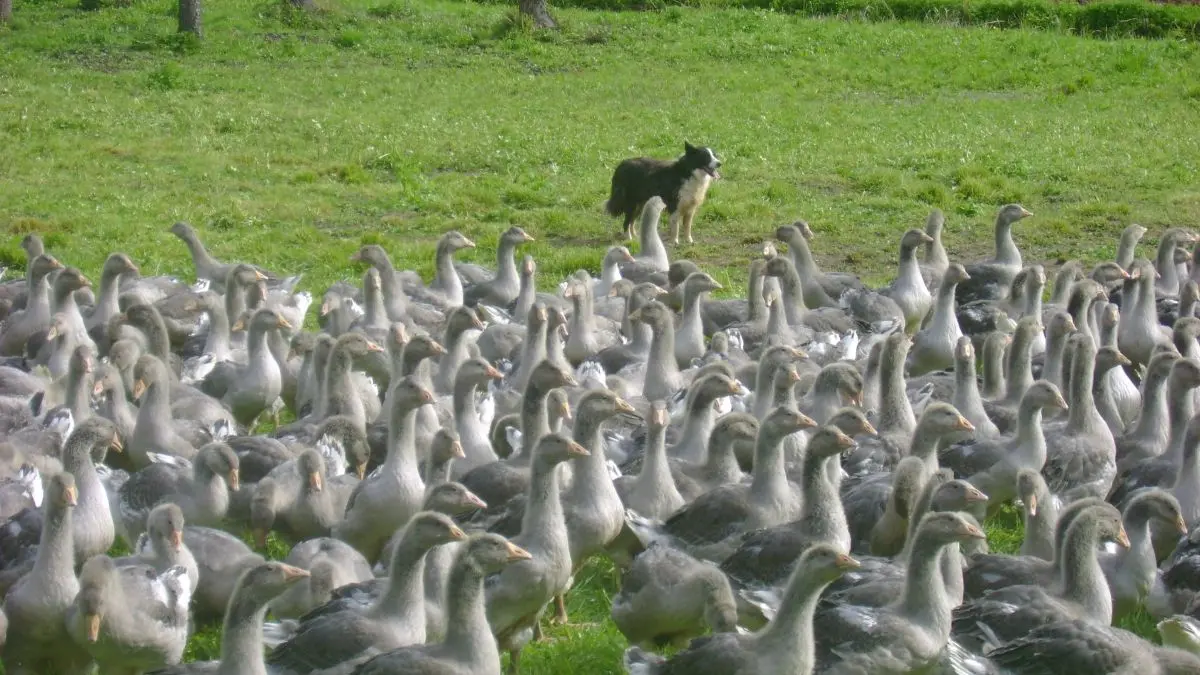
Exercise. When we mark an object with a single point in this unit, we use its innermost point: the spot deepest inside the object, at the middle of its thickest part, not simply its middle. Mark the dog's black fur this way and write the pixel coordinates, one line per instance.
(638, 179)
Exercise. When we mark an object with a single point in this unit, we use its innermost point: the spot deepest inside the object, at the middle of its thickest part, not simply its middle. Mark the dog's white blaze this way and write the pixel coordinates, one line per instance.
(712, 159)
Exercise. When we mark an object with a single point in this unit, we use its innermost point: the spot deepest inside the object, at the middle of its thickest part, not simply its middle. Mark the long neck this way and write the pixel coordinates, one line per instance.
(789, 636)
(802, 257)
(661, 365)
(966, 392)
(896, 412)
(393, 294)
(39, 294)
(925, 444)
(1082, 578)
(697, 425)
(242, 638)
(402, 444)
(1168, 276)
(769, 479)
(446, 277)
(466, 417)
(1188, 477)
(201, 259)
(217, 342)
(535, 422)
(1031, 440)
(1083, 407)
(757, 304)
(1155, 422)
(721, 464)
(56, 549)
(610, 273)
(467, 629)
(793, 297)
(1063, 283)
(544, 523)
(374, 310)
(1020, 374)
(107, 304)
(1007, 252)
(944, 321)
(506, 264)
(157, 401)
(1052, 366)
(909, 272)
(651, 243)
(822, 514)
(405, 588)
(656, 468)
(590, 474)
(1145, 312)
(340, 397)
(1179, 411)
(691, 326)
(526, 294)
(922, 601)
(261, 361)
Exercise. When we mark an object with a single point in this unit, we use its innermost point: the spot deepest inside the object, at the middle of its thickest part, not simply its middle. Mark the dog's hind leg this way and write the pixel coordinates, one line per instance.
(629, 217)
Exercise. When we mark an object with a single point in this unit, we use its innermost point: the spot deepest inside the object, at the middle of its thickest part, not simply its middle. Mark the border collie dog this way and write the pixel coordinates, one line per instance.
(681, 183)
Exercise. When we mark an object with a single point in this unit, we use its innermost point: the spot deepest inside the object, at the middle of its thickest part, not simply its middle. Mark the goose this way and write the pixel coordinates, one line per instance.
(330, 637)
(1080, 593)
(820, 289)
(764, 556)
(993, 465)
(689, 336)
(163, 547)
(250, 390)
(711, 526)
(130, 618)
(933, 346)
(501, 289)
(990, 279)
(1081, 454)
(446, 289)
(1132, 571)
(331, 564)
(516, 596)
(200, 488)
(241, 632)
(468, 647)
(20, 325)
(936, 260)
(1089, 647)
(1140, 332)
(784, 645)
(910, 633)
(909, 290)
(37, 640)
(388, 497)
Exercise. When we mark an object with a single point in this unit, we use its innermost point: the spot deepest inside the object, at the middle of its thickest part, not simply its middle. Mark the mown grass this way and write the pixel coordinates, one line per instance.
(291, 139)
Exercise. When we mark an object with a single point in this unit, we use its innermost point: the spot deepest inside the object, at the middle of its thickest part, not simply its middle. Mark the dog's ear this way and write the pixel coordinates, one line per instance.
(688, 147)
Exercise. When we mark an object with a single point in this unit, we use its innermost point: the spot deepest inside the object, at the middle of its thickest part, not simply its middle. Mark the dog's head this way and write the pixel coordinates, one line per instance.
(702, 158)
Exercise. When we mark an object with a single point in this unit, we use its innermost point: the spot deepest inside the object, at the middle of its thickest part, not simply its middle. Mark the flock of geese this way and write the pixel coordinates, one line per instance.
(461, 448)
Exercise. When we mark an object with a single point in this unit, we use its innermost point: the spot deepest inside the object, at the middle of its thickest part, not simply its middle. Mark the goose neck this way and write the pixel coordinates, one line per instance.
(56, 550)
(1020, 373)
(895, 412)
(790, 633)
(446, 278)
(923, 599)
(402, 443)
(1083, 407)
(769, 477)
(467, 629)
(1007, 252)
(1031, 440)
(755, 301)
(544, 522)
(405, 587)
(1083, 580)
(535, 421)
(242, 639)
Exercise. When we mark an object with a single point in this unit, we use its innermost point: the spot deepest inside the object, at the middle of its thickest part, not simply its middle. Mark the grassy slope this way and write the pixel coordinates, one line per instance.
(291, 142)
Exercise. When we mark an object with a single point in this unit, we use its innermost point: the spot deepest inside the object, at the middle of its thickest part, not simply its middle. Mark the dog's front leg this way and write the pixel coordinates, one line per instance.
(675, 226)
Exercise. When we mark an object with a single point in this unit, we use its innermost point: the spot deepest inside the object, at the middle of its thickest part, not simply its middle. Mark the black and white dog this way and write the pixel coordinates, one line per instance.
(682, 184)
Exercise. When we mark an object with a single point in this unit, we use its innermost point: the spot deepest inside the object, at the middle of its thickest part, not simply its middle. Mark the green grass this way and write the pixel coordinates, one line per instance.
(290, 140)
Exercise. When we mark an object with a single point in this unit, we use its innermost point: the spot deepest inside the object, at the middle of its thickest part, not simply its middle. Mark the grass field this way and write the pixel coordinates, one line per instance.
(289, 140)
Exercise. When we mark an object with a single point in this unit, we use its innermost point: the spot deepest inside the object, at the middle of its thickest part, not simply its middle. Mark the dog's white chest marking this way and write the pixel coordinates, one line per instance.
(694, 189)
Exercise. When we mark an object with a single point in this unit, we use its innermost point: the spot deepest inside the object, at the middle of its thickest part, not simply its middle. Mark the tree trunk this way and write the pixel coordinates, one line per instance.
(5, 11)
(189, 17)
(537, 10)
